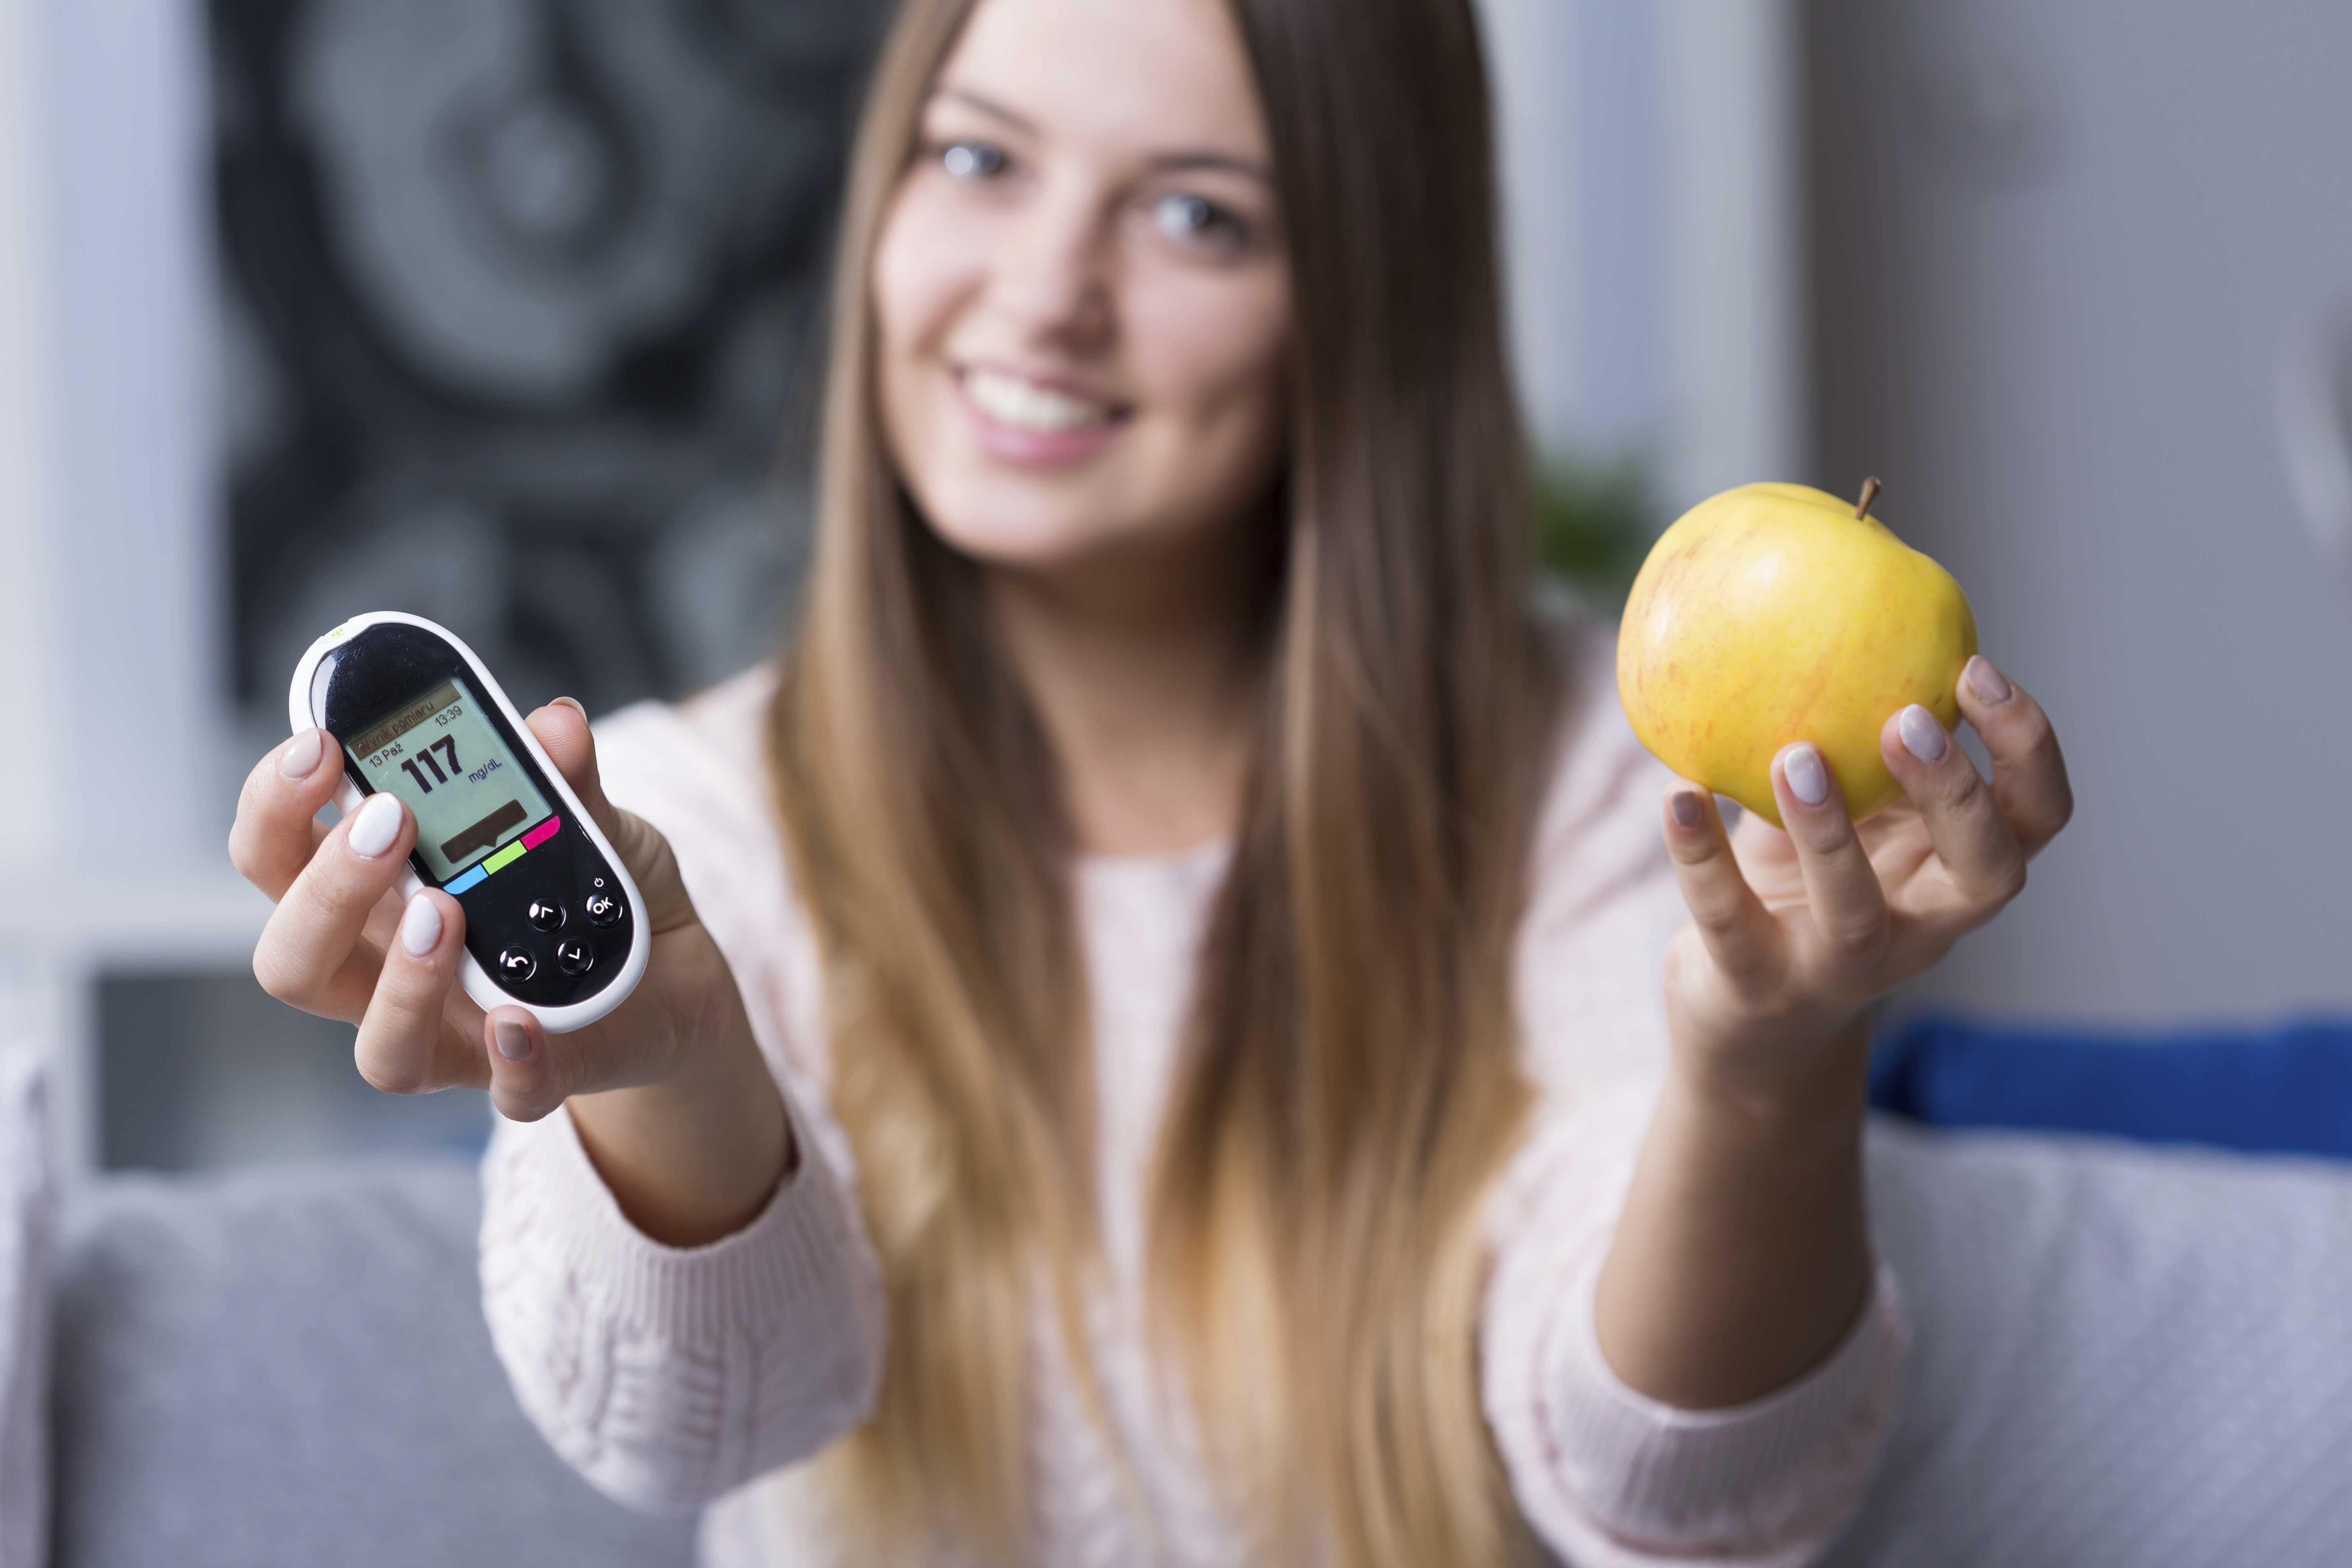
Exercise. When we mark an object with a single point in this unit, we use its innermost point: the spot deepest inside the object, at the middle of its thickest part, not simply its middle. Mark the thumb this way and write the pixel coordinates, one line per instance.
(522, 1070)
(562, 730)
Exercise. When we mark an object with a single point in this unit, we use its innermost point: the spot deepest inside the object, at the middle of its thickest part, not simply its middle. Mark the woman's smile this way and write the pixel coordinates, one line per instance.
(1036, 421)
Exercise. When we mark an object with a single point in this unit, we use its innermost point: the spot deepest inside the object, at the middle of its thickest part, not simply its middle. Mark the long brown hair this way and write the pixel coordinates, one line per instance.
(1349, 1086)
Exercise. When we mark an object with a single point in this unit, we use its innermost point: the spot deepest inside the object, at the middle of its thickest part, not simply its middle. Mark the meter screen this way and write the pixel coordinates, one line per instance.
(440, 754)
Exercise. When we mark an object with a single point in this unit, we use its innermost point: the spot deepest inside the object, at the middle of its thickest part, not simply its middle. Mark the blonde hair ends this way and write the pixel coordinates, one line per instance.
(1349, 1086)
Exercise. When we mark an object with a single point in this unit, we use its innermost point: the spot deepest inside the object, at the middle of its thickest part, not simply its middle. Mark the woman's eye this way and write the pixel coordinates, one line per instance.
(1198, 222)
(972, 160)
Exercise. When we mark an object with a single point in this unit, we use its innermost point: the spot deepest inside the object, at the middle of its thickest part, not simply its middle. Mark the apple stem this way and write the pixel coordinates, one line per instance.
(1869, 494)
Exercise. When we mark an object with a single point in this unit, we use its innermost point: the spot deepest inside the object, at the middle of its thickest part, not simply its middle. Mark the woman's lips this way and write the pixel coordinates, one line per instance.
(1018, 420)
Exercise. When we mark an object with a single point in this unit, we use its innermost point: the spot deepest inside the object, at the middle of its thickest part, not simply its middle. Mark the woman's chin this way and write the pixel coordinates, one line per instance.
(1026, 546)
(1044, 540)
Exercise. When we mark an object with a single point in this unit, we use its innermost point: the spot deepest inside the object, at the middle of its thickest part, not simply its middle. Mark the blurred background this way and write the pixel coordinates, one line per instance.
(507, 312)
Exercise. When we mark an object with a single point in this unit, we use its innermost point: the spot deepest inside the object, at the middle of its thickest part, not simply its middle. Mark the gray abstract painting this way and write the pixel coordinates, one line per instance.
(520, 305)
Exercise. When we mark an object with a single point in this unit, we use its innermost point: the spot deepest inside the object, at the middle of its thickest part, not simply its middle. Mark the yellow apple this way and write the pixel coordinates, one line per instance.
(1778, 613)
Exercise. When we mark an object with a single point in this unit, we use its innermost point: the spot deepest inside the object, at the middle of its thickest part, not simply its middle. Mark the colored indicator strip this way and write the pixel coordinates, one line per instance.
(506, 857)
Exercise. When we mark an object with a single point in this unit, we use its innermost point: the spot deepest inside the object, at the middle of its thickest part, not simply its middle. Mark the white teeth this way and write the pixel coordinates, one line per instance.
(1020, 405)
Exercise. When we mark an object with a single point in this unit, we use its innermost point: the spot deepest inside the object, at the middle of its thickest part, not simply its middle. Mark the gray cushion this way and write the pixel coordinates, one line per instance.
(290, 1367)
(2126, 1357)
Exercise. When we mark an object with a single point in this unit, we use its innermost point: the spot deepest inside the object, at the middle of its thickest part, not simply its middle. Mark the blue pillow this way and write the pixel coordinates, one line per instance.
(2284, 1091)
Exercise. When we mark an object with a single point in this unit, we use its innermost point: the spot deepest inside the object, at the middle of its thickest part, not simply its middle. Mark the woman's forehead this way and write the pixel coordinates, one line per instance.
(1152, 78)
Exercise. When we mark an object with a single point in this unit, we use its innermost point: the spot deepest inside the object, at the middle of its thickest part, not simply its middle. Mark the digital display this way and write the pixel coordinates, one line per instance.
(441, 754)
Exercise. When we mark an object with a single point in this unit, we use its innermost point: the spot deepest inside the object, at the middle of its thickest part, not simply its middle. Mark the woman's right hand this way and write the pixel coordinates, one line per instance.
(672, 1098)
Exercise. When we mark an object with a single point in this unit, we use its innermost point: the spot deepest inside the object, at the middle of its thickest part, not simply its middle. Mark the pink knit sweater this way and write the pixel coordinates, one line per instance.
(675, 1379)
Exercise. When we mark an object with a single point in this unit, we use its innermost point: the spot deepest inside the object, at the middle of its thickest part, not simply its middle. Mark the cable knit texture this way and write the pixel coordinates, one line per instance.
(680, 1379)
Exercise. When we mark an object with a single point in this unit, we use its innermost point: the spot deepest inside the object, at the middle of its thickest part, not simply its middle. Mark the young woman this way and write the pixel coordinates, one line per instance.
(1167, 1038)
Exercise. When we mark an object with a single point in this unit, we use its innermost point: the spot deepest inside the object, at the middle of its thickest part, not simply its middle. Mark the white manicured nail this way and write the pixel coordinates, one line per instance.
(1991, 687)
(420, 928)
(1922, 736)
(1808, 780)
(301, 756)
(514, 1040)
(375, 826)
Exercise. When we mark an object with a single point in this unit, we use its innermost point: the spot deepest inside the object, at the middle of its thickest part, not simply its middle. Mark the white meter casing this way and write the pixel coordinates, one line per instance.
(553, 923)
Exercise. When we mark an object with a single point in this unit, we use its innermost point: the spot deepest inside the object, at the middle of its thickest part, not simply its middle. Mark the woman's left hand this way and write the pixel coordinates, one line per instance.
(1795, 934)
(1743, 1253)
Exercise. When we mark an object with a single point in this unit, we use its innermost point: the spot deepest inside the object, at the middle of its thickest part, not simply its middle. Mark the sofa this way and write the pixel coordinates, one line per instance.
(289, 1366)
(2125, 1356)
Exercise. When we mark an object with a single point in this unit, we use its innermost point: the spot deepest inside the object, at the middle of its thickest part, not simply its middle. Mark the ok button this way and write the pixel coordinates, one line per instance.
(516, 965)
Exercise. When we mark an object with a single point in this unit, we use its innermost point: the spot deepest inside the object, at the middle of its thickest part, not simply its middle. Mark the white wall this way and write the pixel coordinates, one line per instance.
(29, 773)
(109, 554)
(1652, 188)
(32, 770)
(1531, 48)
(1739, 398)
(138, 567)
(112, 713)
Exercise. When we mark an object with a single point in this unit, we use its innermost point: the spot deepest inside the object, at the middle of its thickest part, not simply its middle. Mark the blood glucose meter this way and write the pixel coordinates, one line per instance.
(553, 925)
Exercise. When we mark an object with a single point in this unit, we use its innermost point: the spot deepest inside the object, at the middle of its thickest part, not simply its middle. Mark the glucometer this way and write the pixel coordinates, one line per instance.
(553, 923)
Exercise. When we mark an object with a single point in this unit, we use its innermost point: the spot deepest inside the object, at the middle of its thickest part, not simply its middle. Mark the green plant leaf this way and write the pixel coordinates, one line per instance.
(1594, 524)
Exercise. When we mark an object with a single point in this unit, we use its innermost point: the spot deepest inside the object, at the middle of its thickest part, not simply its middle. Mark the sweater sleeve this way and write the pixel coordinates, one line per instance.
(667, 1377)
(1609, 1478)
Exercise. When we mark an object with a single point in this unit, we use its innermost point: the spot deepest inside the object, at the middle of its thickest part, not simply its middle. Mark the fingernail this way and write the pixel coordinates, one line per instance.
(1808, 780)
(300, 756)
(1991, 687)
(1688, 811)
(514, 1040)
(420, 928)
(572, 703)
(1922, 736)
(375, 826)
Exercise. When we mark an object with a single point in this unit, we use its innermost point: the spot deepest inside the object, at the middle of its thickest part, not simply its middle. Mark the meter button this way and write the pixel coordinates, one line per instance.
(573, 957)
(605, 909)
(516, 965)
(546, 914)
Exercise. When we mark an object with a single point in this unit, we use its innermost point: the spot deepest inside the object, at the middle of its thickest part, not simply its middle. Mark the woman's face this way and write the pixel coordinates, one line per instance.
(1080, 286)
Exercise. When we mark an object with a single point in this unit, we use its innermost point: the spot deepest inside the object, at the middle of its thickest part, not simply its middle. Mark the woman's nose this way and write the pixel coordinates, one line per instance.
(1053, 274)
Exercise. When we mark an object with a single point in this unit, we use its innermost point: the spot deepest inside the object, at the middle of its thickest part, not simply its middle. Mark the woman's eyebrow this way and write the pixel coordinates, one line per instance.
(1229, 163)
(994, 110)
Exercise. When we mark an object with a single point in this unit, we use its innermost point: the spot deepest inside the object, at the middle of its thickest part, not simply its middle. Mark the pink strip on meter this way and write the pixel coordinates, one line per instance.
(541, 834)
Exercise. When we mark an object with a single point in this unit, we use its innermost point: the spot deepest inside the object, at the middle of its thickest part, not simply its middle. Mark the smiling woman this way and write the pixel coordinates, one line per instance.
(1168, 1038)
(1143, 558)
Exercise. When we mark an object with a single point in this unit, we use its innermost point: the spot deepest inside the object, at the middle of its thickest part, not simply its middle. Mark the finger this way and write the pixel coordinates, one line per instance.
(2029, 772)
(1845, 906)
(562, 730)
(406, 1044)
(1982, 862)
(277, 828)
(524, 1075)
(312, 934)
(1740, 934)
